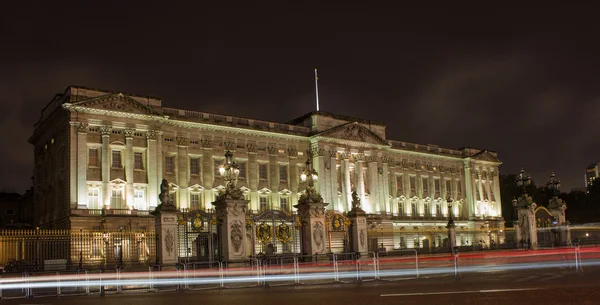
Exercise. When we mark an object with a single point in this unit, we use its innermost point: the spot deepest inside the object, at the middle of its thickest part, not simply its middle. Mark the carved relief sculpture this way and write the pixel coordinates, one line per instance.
(169, 241)
(318, 234)
(236, 236)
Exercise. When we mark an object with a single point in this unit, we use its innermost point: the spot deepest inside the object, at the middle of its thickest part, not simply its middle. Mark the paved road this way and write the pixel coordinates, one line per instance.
(557, 286)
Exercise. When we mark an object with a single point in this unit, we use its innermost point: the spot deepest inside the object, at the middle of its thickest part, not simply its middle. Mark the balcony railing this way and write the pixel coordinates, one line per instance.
(235, 121)
(107, 212)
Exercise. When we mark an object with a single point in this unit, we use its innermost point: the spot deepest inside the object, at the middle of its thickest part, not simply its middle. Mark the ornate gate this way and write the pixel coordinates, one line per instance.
(545, 231)
(197, 236)
(273, 232)
(337, 232)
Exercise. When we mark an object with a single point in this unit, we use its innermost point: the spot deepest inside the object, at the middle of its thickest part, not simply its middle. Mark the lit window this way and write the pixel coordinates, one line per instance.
(139, 199)
(195, 201)
(138, 159)
(169, 166)
(283, 202)
(93, 198)
(283, 172)
(195, 166)
(263, 203)
(93, 157)
(116, 159)
(242, 166)
(262, 171)
(116, 200)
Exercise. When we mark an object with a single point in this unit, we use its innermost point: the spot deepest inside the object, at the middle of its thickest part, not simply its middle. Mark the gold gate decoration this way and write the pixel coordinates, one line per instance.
(197, 222)
(283, 233)
(337, 222)
(263, 233)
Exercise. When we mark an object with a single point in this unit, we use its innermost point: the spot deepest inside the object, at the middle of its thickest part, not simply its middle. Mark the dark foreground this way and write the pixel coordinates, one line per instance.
(557, 286)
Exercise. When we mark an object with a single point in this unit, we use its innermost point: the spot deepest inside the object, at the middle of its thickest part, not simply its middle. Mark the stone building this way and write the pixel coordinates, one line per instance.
(100, 157)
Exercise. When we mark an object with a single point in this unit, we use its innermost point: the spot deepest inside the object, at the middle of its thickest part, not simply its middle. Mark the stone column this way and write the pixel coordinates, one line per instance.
(273, 176)
(106, 191)
(346, 191)
(129, 160)
(358, 227)
(252, 176)
(182, 171)
(166, 230)
(312, 215)
(152, 170)
(386, 186)
(232, 227)
(319, 165)
(373, 187)
(82, 149)
(497, 193)
(207, 172)
(293, 177)
(360, 179)
(333, 173)
(470, 202)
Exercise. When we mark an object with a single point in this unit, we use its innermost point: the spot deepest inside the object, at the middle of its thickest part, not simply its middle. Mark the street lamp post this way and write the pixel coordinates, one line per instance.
(229, 171)
(523, 180)
(310, 176)
(554, 184)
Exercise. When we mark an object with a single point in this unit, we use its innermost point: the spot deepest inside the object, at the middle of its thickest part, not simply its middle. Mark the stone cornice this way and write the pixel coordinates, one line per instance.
(193, 125)
(421, 155)
(354, 144)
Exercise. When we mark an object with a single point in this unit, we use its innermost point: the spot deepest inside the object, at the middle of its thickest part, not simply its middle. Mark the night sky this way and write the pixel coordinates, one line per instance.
(519, 81)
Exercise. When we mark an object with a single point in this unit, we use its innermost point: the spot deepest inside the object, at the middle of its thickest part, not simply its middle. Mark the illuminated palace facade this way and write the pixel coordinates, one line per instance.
(100, 157)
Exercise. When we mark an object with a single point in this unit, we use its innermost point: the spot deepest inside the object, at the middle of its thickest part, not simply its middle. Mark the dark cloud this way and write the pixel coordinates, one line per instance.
(520, 81)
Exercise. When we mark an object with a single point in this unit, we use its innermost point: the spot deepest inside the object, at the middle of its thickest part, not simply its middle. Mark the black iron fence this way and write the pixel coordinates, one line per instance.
(57, 250)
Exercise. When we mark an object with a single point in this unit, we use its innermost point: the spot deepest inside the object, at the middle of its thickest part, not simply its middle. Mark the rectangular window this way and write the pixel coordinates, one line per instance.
(242, 166)
(195, 201)
(448, 189)
(399, 185)
(93, 158)
(283, 202)
(283, 172)
(262, 171)
(116, 200)
(195, 166)
(413, 209)
(139, 199)
(426, 209)
(263, 203)
(459, 189)
(116, 159)
(400, 208)
(438, 209)
(413, 184)
(436, 185)
(425, 187)
(169, 165)
(138, 160)
(93, 198)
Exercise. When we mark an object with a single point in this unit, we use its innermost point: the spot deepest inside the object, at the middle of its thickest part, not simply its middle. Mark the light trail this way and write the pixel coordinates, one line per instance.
(305, 272)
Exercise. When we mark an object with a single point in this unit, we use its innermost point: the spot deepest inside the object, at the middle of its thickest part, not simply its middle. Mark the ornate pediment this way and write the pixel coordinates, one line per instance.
(485, 155)
(117, 102)
(354, 132)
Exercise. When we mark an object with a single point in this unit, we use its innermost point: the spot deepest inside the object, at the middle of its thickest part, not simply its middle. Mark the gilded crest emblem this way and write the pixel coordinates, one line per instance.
(283, 233)
(263, 233)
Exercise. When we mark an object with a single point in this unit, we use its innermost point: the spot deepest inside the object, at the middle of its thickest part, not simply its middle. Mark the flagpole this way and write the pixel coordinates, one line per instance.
(317, 88)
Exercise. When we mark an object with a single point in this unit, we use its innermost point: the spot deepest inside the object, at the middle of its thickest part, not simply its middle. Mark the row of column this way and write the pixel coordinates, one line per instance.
(154, 154)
